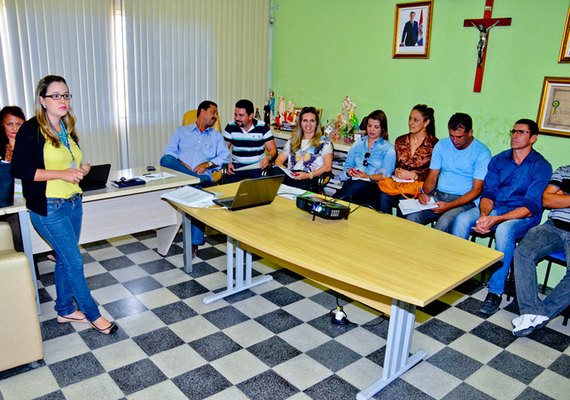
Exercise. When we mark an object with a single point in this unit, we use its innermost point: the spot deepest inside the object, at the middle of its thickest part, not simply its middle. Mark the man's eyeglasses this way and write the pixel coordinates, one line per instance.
(518, 132)
(365, 162)
(57, 96)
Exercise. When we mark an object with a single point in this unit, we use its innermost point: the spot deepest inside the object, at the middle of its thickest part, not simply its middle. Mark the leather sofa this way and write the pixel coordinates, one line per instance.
(20, 335)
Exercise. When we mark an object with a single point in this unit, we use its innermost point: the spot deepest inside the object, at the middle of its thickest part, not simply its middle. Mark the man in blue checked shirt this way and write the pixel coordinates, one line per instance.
(511, 203)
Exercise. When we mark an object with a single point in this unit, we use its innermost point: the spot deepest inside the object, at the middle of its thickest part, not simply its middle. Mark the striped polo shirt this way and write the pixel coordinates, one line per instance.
(247, 147)
(561, 179)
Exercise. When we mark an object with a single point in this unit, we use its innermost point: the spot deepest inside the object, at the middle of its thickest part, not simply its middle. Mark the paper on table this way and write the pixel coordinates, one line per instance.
(290, 192)
(156, 176)
(191, 197)
(413, 205)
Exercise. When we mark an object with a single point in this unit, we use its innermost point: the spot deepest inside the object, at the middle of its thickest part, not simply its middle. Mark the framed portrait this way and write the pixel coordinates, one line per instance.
(554, 108)
(412, 30)
(564, 56)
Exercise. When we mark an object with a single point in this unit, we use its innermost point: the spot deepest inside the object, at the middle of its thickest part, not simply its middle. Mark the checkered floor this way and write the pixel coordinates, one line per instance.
(272, 342)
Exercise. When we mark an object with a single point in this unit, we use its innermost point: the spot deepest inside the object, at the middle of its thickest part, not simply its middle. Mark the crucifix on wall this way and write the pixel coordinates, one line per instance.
(484, 25)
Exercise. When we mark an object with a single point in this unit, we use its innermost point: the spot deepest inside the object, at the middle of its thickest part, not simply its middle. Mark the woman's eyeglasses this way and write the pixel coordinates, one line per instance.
(57, 96)
(365, 162)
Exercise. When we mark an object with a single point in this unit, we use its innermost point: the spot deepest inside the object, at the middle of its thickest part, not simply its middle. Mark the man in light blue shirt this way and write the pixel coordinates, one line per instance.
(457, 170)
(197, 149)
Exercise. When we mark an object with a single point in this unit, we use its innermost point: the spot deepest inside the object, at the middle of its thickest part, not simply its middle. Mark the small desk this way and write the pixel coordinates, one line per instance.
(112, 212)
(388, 263)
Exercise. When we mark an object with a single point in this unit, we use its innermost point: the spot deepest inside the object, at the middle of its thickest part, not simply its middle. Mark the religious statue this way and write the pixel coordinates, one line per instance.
(483, 32)
(281, 107)
(271, 102)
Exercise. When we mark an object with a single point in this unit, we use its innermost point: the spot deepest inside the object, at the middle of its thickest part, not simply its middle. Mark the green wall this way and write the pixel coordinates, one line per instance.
(326, 49)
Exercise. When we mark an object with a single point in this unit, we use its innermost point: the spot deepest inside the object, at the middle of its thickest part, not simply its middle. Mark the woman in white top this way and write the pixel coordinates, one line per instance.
(308, 154)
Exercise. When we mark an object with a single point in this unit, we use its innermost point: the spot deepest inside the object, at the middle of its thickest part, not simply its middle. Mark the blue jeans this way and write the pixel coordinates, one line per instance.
(506, 235)
(445, 220)
(61, 228)
(360, 192)
(539, 242)
(174, 163)
(171, 162)
(6, 185)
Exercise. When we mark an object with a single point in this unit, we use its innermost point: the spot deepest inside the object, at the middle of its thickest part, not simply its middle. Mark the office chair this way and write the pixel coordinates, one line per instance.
(189, 118)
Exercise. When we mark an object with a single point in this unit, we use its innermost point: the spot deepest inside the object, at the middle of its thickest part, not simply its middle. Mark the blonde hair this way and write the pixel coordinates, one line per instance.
(45, 127)
(297, 136)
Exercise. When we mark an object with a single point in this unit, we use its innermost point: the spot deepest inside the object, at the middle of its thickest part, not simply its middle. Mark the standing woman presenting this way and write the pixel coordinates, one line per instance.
(48, 160)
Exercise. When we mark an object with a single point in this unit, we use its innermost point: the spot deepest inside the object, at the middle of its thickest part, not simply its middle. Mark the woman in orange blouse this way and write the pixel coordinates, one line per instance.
(413, 151)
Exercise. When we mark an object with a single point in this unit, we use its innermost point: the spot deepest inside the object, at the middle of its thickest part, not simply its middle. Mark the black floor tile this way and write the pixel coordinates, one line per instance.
(240, 296)
(267, 385)
(434, 308)
(285, 277)
(21, 369)
(472, 306)
(76, 369)
(377, 357)
(202, 269)
(561, 366)
(87, 258)
(324, 324)
(174, 250)
(57, 395)
(532, 394)
(440, 331)
(156, 266)
(466, 392)
(98, 245)
(52, 329)
(207, 253)
(124, 307)
(329, 299)
(116, 263)
(157, 341)
(225, 317)
(44, 296)
(455, 363)
(94, 339)
(400, 389)
(551, 338)
(378, 326)
(145, 235)
(215, 346)
(175, 312)
(332, 388)
(493, 333)
(216, 239)
(278, 321)
(273, 351)
(201, 382)
(142, 285)
(516, 367)
(101, 280)
(47, 279)
(131, 248)
(333, 355)
(187, 289)
(282, 296)
(137, 376)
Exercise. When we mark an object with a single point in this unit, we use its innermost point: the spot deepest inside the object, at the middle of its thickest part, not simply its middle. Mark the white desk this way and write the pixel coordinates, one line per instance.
(388, 263)
(113, 212)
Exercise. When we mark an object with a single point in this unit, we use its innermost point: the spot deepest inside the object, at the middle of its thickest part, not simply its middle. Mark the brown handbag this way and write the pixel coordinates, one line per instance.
(410, 190)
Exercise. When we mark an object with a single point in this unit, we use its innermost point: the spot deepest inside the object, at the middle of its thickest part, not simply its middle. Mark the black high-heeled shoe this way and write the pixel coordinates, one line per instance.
(112, 328)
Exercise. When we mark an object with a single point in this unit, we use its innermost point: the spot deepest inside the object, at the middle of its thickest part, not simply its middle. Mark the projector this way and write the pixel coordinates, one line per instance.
(322, 208)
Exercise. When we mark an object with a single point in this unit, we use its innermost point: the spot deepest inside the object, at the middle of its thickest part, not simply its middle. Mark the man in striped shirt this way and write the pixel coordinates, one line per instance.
(251, 142)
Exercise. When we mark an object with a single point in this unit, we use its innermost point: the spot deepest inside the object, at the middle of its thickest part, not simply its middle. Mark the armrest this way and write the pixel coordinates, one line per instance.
(6, 240)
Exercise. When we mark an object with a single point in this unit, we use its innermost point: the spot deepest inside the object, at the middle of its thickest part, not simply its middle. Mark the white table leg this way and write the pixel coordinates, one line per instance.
(397, 359)
(242, 265)
(187, 243)
(24, 219)
(165, 236)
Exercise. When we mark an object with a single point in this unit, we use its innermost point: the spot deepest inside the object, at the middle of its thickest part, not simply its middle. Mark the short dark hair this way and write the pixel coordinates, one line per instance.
(427, 113)
(460, 120)
(245, 104)
(381, 117)
(205, 105)
(532, 126)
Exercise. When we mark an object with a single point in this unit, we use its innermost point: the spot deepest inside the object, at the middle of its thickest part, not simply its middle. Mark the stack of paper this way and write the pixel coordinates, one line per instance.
(191, 197)
(413, 205)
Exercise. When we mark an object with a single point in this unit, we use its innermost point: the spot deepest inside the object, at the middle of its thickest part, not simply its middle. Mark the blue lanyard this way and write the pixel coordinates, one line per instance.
(65, 140)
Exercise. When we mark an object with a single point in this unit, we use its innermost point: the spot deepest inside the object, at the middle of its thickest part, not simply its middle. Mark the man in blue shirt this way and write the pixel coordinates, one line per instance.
(455, 180)
(197, 149)
(511, 203)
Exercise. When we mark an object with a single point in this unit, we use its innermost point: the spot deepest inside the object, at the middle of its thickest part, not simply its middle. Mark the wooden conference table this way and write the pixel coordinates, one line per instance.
(113, 212)
(388, 263)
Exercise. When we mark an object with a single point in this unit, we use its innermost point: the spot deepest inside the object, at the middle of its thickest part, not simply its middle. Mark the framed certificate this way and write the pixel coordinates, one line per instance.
(554, 109)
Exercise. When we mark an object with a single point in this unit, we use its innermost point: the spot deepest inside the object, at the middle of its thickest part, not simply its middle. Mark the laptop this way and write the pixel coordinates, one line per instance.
(96, 178)
(252, 193)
